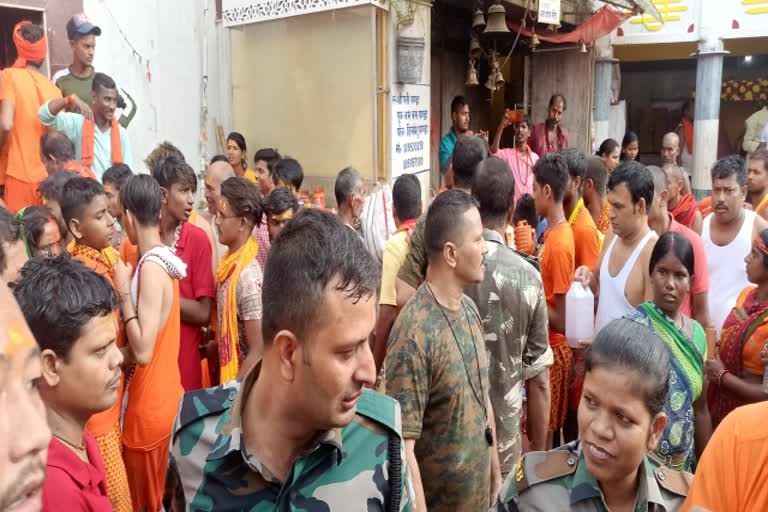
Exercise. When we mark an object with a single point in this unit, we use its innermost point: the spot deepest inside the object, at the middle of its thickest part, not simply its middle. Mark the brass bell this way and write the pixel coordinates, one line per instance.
(497, 20)
(475, 50)
(478, 19)
(535, 40)
(583, 48)
(498, 79)
(490, 84)
(472, 74)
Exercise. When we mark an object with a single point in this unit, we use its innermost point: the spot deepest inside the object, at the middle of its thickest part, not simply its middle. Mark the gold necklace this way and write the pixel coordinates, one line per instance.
(80, 447)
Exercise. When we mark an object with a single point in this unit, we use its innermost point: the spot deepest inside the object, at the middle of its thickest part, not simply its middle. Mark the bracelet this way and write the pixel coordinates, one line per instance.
(720, 376)
(134, 317)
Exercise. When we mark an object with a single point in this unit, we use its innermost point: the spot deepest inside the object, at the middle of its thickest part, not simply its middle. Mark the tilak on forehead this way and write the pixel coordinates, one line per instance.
(222, 205)
(287, 214)
(19, 338)
(108, 189)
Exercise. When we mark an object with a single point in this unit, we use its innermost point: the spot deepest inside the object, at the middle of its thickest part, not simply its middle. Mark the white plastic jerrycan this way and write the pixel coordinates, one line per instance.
(579, 314)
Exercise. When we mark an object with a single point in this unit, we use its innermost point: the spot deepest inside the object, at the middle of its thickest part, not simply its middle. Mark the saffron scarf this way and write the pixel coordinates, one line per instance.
(89, 138)
(688, 130)
(604, 222)
(34, 52)
(228, 332)
(96, 260)
(685, 211)
(762, 204)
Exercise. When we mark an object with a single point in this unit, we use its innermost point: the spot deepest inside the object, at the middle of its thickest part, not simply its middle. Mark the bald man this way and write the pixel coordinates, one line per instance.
(682, 206)
(670, 154)
(24, 433)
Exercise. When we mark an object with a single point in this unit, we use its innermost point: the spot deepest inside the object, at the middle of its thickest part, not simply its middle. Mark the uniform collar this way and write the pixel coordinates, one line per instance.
(231, 440)
(492, 236)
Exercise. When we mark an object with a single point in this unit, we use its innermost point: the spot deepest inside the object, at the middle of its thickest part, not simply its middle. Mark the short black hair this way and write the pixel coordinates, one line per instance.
(76, 195)
(269, 155)
(33, 221)
(445, 220)
(764, 238)
(319, 251)
(457, 103)
(238, 139)
(638, 179)
(406, 197)
(244, 198)
(554, 98)
(102, 81)
(58, 296)
(118, 174)
(552, 170)
(10, 227)
(33, 33)
(576, 163)
(597, 173)
(607, 147)
(760, 155)
(346, 184)
(162, 151)
(676, 244)
(52, 187)
(730, 166)
(469, 151)
(57, 145)
(494, 189)
(174, 170)
(218, 158)
(281, 200)
(628, 344)
(525, 209)
(288, 170)
(140, 196)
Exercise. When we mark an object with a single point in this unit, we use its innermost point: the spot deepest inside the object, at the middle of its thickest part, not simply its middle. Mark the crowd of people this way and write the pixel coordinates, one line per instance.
(255, 355)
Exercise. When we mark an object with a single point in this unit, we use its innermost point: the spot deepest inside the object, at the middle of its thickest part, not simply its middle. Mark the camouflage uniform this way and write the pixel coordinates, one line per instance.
(558, 480)
(347, 469)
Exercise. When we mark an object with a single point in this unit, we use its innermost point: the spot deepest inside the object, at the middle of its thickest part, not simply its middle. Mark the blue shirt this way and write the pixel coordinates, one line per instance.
(447, 143)
(71, 125)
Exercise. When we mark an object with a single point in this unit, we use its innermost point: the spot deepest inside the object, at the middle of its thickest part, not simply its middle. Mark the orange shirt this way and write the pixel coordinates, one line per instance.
(586, 237)
(557, 255)
(129, 253)
(27, 90)
(733, 470)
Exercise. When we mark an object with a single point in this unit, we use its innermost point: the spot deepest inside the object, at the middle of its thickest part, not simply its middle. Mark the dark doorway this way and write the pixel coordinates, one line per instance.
(9, 17)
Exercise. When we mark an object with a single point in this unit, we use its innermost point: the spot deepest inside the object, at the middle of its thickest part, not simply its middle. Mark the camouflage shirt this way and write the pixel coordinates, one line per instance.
(347, 469)
(435, 370)
(414, 267)
(558, 480)
(514, 313)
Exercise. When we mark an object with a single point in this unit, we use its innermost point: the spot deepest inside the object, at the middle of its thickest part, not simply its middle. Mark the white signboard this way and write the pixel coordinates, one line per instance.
(549, 12)
(410, 129)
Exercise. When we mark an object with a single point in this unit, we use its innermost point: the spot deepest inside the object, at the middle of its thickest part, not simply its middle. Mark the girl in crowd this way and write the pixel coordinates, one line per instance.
(621, 419)
(610, 151)
(41, 231)
(630, 146)
(238, 157)
(737, 376)
(688, 421)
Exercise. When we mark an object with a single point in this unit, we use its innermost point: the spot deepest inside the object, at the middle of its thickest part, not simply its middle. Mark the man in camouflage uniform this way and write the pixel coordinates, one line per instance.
(513, 309)
(299, 432)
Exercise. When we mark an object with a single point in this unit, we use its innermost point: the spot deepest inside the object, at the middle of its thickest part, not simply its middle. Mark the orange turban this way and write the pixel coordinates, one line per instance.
(35, 52)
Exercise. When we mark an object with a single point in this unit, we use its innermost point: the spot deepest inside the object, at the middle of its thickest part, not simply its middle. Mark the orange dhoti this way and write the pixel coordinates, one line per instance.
(20, 194)
(559, 381)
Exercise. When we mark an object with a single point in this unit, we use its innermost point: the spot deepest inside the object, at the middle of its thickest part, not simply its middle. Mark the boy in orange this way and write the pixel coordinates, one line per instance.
(557, 257)
(151, 310)
(85, 212)
(22, 89)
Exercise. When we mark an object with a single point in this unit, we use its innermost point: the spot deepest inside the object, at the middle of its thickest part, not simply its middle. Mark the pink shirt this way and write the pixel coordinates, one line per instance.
(522, 168)
(538, 139)
(700, 282)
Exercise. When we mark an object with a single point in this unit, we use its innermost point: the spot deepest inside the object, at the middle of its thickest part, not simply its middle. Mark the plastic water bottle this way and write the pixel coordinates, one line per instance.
(579, 314)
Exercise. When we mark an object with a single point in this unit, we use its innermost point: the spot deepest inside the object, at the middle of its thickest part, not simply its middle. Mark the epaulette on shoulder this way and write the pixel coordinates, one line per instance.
(538, 467)
(676, 482)
(382, 409)
(196, 405)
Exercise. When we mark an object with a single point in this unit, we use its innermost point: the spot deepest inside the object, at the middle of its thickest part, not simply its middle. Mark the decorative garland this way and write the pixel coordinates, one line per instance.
(744, 90)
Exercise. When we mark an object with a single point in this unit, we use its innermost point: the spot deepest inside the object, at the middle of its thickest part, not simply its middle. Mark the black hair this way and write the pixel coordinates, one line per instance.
(760, 155)
(457, 103)
(524, 118)
(525, 209)
(676, 244)
(58, 296)
(637, 178)
(218, 158)
(630, 345)
(406, 197)
(76, 195)
(319, 251)
(244, 198)
(238, 139)
(576, 163)
(102, 81)
(628, 139)
(494, 189)
(597, 173)
(163, 150)
(269, 155)
(445, 220)
(52, 187)
(118, 175)
(33, 33)
(57, 145)
(33, 221)
(730, 166)
(174, 170)
(607, 147)
(10, 227)
(552, 170)
(764, 238)
(554, 98)
(140, 195)
(469, 151)
(346, 184)
(281, 200)
(289, 171)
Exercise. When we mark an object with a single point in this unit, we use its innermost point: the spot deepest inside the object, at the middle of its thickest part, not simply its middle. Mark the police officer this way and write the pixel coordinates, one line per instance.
(620, 422)
(299, 432)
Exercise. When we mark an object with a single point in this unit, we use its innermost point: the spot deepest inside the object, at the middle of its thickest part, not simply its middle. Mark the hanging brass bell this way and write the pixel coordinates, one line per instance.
(498, 79)
(478, 19)
(490, 84)
(535, 40)
(583, 48)
(475, 50)
(497, 20)
(472, 74)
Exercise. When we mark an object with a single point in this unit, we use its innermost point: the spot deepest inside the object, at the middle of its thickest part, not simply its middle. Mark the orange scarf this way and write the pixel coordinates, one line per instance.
(35, 52)
(688, 130)
(88, 141)
(685, 211)
(95, 260)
